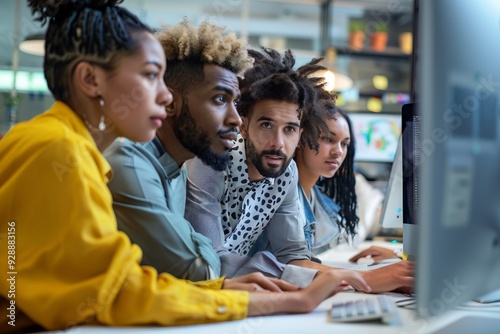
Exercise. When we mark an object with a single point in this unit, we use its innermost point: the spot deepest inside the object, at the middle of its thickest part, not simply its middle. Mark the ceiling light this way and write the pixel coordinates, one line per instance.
(336, 81)
(33, 44)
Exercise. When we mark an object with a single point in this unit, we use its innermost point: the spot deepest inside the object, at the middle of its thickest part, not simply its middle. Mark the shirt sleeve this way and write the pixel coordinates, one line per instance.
(74, 267)
(143, 211)
(205, 188)
(203, 210)
(285, 230)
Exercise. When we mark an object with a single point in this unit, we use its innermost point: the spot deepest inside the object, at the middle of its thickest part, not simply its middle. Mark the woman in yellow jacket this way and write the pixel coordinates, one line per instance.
(65, 262)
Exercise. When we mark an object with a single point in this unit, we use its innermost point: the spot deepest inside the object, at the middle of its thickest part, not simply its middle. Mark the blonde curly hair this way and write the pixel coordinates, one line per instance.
(207, 44)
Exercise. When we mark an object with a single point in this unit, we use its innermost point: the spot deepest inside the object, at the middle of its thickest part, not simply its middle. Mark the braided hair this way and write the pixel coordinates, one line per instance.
(340, 187)
(273, 77)
(96, 31)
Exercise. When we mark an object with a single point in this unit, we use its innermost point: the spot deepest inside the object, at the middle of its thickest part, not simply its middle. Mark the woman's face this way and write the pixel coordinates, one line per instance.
(135, 94)
(333, 148)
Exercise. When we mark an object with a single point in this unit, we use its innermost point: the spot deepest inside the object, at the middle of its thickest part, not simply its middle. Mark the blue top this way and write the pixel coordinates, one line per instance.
(322, 218)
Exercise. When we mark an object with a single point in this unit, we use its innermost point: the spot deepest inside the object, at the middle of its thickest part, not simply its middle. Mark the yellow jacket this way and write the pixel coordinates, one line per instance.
(68, 263)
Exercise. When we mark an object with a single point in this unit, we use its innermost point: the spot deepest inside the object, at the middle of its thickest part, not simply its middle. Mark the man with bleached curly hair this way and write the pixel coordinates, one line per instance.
(149, 181)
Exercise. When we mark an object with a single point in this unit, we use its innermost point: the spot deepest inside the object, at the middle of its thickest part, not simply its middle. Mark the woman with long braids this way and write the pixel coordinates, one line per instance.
(326, 180)
(68, 264)
(325, 162)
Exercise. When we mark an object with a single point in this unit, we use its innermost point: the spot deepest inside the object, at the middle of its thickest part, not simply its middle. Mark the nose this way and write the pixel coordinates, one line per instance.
(165, 96)
(277, 141)
(337, 150)
(233, 118)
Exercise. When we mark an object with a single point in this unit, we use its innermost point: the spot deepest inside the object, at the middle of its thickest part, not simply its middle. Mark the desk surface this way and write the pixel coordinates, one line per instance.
(315, 322)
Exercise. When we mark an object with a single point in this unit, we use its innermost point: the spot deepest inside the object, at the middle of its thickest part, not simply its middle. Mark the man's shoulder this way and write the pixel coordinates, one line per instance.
(125, 149)
(291, 172)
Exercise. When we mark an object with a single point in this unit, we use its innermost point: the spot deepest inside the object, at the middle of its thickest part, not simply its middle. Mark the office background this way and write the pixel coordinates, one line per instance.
(381, 77)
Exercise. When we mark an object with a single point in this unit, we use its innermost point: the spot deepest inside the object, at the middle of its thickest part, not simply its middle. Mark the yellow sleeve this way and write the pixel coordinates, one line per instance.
(73, 266)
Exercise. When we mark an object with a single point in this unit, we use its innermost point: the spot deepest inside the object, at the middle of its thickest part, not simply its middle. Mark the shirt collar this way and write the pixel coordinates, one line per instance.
(238, 165)
(69, 118)
(166, 161)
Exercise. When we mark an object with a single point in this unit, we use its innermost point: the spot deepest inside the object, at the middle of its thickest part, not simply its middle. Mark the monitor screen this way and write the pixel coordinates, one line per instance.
(410, 138)
(400, 203)
(376, 136)
(458, 94)
(392, 207)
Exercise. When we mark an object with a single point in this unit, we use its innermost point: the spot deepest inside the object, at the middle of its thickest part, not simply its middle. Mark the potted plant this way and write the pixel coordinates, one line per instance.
(378, 40)
(356, 34)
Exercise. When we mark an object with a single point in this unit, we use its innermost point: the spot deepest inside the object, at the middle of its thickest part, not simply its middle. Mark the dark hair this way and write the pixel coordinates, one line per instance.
(97, 31)
(273, 77)
(341, 187)
(315, 123)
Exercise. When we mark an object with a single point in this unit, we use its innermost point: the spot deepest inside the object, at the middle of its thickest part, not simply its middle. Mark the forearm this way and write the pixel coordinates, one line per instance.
(310, 264)
(307, 299)
(274, 303)
(148, 298)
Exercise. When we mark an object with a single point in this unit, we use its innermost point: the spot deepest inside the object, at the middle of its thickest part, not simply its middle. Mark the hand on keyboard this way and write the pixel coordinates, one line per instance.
(381, 307)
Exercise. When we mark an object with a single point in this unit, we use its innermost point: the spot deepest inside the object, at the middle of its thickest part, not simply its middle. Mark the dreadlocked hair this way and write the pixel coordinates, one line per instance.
(340, 187)
(188, 48)
(315, 122)
(273, 77)
(96, 31)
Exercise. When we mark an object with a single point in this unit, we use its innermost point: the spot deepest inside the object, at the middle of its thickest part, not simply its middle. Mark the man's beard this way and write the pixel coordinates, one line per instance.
(256, 159)
(196, 140)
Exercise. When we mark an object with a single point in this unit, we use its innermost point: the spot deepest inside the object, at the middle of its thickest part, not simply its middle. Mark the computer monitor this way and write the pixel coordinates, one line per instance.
(391, 215)
(410, 156)
(458, 82)
(376, 136)
(400, 203)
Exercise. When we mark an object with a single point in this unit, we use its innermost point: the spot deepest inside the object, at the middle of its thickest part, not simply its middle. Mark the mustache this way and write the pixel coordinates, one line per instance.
(274, 152)
(224, 132)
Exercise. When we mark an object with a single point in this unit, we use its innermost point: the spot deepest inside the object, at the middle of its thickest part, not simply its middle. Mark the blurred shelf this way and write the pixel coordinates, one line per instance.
(392, 53)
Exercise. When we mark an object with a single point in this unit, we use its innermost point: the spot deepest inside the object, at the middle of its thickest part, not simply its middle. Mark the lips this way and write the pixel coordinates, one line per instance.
(228, 140)
(158, 120)
(333, 163)
(274, 159)
(228, 136)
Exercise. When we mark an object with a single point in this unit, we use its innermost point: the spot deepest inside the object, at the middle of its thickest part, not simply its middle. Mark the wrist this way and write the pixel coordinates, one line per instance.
(399, 253)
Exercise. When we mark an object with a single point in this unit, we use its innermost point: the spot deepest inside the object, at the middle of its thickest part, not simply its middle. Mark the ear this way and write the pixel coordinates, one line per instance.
(85, 77)
(174, 108)
(244, 127)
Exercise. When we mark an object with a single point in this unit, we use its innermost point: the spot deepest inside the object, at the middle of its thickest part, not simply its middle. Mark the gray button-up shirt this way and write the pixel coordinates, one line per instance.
(149, 192)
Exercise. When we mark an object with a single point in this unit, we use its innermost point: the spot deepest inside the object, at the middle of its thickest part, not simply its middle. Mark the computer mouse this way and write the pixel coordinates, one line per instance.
(367, 260)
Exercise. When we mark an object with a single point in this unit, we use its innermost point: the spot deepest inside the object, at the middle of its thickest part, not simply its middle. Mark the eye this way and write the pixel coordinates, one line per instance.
(266, 125)
(326, 139)
(220, 99)
(152, 75)
(346, 145)
(290, 129)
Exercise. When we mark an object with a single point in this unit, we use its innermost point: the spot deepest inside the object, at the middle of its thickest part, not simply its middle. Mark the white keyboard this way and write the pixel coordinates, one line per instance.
(361, 308)
(359, 267)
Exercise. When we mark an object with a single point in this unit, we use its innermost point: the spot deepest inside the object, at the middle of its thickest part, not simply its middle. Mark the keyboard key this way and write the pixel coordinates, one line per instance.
(380, 307)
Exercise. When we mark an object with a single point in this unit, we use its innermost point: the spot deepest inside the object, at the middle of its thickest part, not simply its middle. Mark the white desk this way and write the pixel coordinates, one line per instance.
(315, 322)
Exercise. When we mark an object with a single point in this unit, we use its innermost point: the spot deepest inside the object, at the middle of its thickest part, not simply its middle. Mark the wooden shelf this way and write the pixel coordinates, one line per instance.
(367, 52)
